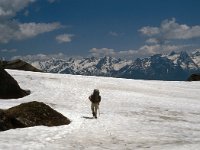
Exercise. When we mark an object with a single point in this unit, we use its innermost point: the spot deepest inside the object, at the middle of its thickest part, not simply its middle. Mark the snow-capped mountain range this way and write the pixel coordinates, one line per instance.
(175, 66)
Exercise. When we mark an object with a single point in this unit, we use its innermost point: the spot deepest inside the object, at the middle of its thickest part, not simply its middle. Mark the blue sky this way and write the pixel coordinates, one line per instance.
(118, 28)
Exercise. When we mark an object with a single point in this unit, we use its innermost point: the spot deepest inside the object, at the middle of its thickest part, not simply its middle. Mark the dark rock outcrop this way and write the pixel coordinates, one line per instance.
(8, 122)
(18, 65)
(194, 77)
(31, 114)
(9, 87)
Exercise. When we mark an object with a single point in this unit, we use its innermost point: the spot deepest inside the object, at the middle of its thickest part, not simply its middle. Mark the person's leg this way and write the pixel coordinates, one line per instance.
(96, 107)
(93, 109)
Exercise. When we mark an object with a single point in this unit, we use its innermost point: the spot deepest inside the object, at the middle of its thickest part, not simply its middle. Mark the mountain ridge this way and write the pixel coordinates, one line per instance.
(175, 66)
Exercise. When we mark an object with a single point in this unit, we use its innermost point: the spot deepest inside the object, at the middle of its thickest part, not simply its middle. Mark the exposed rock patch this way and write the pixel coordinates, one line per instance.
(31, 114)
(9, 87)
(194, 77)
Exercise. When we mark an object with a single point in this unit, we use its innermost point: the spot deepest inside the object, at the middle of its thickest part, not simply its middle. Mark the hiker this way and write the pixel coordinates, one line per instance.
(95, 99)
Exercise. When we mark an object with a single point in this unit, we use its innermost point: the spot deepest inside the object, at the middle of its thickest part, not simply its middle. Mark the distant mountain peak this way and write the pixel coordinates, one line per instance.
(184, 55)
(184, 58)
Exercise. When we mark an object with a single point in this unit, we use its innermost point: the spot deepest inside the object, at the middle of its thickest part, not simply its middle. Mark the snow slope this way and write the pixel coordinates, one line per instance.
(135, 114)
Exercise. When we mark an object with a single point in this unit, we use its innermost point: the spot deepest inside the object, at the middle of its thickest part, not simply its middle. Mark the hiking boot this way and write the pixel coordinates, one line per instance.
(93, 114)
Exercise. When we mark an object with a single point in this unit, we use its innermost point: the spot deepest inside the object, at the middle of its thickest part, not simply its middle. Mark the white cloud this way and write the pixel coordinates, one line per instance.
(8, 50)
(12, 30)
(99, 52)
(28, 30)
(143, 51)
(148, 50)
(160, 38)
(9, 8)
(64, 38)
(149, 31)
(171, 30)
(112, 33)
(40, 57)
(152, 41)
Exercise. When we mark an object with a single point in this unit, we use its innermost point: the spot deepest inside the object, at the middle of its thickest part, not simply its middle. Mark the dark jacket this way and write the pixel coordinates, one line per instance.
(95, 98)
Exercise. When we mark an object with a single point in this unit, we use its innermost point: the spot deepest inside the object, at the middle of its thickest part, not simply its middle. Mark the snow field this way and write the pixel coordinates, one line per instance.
(134, 114)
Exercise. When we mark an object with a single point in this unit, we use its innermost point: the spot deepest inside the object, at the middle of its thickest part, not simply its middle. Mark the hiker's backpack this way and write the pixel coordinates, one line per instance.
(95, 97)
